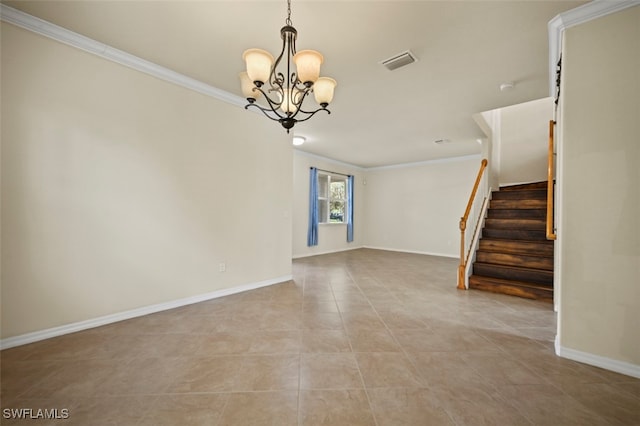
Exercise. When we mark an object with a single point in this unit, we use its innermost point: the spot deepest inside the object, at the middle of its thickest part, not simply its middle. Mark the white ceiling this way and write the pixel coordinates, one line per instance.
(466, 49)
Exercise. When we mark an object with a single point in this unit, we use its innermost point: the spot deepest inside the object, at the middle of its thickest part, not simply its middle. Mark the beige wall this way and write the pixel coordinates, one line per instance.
(331, 237)
(600, 195)
(524, 141)
(418, 208)
(121, 191)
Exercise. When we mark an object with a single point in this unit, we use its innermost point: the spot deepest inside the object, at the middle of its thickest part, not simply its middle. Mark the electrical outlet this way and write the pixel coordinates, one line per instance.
(222, 267)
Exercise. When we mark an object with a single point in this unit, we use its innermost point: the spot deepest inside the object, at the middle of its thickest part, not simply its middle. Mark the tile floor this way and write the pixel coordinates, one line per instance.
(357, 338)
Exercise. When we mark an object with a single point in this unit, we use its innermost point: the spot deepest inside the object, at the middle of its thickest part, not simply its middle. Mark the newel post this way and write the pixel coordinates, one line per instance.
(461, 268)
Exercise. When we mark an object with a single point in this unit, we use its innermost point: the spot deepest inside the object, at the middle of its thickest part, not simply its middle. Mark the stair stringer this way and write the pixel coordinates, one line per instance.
(475, 241)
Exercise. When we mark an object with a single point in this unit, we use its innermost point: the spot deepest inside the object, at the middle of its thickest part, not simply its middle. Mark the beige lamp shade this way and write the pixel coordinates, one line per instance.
(291, 98)
(308, 65)
(247, 86)
(259, 64)
(323, 90)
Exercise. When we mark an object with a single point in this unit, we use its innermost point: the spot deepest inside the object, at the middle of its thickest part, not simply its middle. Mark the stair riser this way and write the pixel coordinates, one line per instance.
(525, 186)
(514, 234)
(523, 224)
(507, 273)
(534, 262)
(517, 214)
(536, 194)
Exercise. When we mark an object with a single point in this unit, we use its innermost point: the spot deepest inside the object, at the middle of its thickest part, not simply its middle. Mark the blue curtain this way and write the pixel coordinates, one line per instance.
(350, 209)
(312, 233)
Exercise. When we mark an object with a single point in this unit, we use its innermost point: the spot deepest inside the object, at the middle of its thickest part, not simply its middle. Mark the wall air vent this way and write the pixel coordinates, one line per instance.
(399, 60)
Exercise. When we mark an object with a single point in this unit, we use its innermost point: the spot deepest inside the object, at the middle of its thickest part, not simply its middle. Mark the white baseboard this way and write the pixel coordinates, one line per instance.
(320, 253)
(621, 367)
(412, 251)
(35, 336)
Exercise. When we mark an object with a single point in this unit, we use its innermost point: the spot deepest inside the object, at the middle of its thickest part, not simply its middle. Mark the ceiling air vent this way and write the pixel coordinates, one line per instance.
(399, 60)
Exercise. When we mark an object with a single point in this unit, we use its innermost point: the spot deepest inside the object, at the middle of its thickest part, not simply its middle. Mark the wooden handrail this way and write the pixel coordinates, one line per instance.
(550, 231)
(463, 225)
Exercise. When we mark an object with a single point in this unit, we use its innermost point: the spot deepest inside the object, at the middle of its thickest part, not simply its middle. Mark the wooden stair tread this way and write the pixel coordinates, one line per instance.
(537, 248)
(517, 204)
(514, 256)
(518, 273)
(513, 288)
(544, 263)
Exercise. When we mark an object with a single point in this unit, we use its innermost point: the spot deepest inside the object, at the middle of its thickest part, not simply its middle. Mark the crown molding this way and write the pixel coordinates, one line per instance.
(581, 14)
(63, 35)
(426, 162)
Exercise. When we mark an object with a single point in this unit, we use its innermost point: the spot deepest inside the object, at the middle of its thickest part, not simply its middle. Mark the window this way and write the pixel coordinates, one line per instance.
(332, 198)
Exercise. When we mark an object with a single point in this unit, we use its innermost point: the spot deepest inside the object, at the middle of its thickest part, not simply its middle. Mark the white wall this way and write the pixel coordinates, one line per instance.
(599, 195)
(524, 140)
(517, 142)
(331, 237)
(418, 208)
(121, 191)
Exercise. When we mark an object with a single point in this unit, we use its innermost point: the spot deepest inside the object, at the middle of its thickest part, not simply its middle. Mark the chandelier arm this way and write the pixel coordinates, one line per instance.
(298, 104)
(265, 111)
(278, 59)
(272, 105)
(311, 114)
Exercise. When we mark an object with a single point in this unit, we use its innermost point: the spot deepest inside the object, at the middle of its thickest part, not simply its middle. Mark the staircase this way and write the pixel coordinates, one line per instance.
(514, 257)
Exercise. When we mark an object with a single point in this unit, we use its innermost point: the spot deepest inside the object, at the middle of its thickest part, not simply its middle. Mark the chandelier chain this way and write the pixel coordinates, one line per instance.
(288, 21)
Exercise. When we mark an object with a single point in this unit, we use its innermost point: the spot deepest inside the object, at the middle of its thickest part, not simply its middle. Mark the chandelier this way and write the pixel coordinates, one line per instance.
(285, 90)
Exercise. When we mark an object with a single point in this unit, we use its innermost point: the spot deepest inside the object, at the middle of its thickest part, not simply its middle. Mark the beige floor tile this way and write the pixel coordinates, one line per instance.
(388, 370)
(300, 352)
(74, 378)
(329, 371)
(607, 401)
(109, 411)
(327, 341)
(276, 341)
(446, 369)
(312, 320)
(210, 374)
(335, 408)
(140, 376)
(407, 406)
(498, 370)
(260, 409)
(17, 377)
(268, 372)
(186, 409)
(373, 340)
(544, 404)
(225, 343)
(471, 405)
